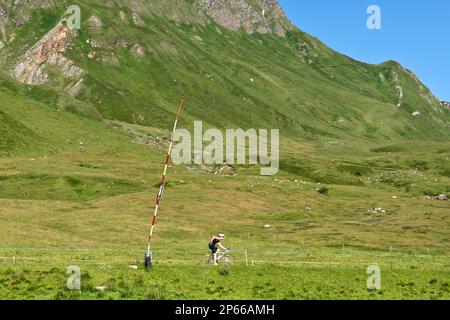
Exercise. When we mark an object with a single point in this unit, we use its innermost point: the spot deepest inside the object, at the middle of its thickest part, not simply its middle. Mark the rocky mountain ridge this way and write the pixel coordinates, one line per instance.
(262, 16)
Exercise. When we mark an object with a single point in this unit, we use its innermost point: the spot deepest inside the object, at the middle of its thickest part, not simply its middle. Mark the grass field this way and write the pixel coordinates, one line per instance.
(91, 207)
(318, 274)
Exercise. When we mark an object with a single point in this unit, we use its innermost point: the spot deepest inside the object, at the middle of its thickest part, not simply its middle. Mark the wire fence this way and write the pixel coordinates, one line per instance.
(311, 257)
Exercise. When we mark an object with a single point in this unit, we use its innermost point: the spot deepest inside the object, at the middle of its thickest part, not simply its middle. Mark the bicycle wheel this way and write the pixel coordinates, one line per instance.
(206, 260)
(226, 260)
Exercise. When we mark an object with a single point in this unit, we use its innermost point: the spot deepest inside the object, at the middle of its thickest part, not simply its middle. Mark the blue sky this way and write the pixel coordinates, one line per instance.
(414, 33)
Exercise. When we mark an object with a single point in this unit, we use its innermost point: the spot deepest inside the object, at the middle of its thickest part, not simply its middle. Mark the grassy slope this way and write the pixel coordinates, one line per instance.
(53, 195)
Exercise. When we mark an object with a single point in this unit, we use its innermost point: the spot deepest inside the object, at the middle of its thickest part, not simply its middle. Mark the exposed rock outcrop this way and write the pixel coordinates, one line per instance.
(137, 50)
(441, 197)
(262, 16)
(138, 20)
(3, 13)
(48, 51)
(122, 16)
(124, 43)
(73, 91)
(425, 93)
(95, 22)
(398, 88)
(400, 95)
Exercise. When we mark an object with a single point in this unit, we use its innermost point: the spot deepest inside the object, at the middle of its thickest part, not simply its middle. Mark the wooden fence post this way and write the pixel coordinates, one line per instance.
(246, 257)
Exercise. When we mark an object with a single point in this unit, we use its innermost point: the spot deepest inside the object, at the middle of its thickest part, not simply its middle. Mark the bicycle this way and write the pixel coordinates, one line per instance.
(223, 257)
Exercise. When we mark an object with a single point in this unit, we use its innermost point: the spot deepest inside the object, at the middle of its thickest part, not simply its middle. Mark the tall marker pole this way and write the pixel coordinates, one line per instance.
(148, 256)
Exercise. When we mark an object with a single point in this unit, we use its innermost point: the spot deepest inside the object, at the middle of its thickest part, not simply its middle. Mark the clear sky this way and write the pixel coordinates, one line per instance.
(416, 33)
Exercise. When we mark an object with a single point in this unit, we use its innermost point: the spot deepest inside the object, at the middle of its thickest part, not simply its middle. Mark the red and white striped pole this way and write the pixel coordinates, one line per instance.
(162, 185)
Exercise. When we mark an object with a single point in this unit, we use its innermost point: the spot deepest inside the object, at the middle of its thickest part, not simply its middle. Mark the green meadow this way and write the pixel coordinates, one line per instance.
(356, 186)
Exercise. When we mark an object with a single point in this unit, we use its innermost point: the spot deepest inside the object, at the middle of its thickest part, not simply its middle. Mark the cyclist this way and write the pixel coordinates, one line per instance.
(215, 246)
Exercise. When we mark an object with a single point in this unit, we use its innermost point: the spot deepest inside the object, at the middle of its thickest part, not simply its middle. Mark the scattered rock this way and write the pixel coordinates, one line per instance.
(442, 197)
(137, 50)
(139, 137)
(400, 95)
(416, 114)
(137, 20)
(122, 42)
(76, 88)
(19, 22)
(227, 170)
(92, 54)
(377, 210)
(135, 6)
(303, 47)
(95, 22)
(122, 16)
(96, 44)
(101, 288)
(267, 226)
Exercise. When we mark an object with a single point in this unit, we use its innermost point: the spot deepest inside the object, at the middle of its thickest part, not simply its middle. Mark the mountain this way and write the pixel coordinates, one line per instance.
(241, 63)
(85, 116)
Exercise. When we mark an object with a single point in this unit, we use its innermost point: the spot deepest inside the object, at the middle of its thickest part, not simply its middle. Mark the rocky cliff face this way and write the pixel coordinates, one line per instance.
(47, 52)
(262, 16)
